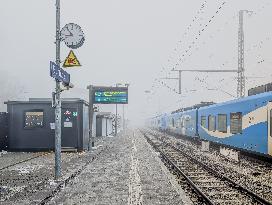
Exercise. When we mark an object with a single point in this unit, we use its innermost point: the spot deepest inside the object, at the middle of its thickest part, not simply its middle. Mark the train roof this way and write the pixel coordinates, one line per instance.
(201, 104)
(266, 96)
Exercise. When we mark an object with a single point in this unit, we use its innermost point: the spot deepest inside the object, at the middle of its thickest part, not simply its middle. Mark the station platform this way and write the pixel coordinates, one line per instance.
(127, 172)
(119, 170)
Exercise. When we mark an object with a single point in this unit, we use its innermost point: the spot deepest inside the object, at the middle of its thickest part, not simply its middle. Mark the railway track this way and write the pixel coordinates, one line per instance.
(255, 175)
(204, 184)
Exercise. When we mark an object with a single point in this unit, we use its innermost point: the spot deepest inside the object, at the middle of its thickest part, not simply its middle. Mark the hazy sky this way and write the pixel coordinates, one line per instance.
(131, 42)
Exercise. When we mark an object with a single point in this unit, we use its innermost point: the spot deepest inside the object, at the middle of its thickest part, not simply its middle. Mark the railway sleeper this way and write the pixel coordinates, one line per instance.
(203, 180)
(187, 169)
(218, 190)
(228, 201)
(226, 191)
(211, 187)
(196, 177)
(228, 198)
(196, 172)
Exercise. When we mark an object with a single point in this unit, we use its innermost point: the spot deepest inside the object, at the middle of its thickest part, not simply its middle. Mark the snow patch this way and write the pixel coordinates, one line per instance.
(96, 147)
(3, 152)
(28, 168)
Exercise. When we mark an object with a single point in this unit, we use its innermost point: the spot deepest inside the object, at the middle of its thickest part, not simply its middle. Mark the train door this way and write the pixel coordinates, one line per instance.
(182, 123)
(269, 126)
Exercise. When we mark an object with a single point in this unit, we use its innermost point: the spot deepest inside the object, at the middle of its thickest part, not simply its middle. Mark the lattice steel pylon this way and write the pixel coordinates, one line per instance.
(241, 66)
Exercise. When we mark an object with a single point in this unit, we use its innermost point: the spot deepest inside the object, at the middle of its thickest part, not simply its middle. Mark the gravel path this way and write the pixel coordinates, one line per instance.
(127, 172)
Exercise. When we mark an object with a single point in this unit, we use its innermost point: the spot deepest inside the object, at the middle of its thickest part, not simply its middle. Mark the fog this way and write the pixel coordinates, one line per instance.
(136, 42)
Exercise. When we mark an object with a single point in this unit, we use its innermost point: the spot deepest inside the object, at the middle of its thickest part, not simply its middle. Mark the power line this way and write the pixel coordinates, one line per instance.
(189, 27)
(182, 57)
(188, 53)
(186, 32)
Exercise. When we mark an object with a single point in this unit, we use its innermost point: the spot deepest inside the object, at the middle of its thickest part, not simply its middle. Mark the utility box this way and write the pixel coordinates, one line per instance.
(103, 124)
(3, 131)
(32, 125)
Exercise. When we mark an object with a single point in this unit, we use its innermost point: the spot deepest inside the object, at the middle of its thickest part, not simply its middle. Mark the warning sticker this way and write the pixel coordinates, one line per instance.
(71, 60)
(52, 126)
(67, 124)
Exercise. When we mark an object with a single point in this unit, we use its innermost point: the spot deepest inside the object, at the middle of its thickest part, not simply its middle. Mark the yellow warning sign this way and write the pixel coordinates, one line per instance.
(71, 60)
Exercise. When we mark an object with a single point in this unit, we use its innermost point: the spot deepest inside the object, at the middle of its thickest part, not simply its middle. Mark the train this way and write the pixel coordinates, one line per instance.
(244, 124)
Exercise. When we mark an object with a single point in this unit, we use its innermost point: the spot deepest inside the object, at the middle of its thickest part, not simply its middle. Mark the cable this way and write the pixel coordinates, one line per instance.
(182, 58)
(186, 32)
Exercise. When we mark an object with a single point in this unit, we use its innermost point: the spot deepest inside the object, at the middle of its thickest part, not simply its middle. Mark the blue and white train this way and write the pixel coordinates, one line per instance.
(244, 123)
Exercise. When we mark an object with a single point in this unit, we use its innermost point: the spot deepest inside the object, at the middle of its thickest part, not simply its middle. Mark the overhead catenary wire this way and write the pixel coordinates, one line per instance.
(186, 32)
(199, 33)
(260, 60)
(182, 57)
(223, 64)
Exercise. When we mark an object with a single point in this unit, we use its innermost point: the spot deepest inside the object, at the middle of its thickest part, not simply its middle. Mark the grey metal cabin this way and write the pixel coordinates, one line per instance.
(31, 125)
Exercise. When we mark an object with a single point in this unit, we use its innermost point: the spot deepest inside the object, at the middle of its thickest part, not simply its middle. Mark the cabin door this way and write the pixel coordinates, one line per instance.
(69, 131)
(269, 126)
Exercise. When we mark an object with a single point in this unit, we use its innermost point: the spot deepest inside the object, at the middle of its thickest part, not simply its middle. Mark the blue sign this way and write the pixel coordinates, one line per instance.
(58, 73)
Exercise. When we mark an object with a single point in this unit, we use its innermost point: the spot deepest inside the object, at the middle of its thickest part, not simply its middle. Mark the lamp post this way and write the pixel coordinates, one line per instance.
(58, 101)
(116, 113)
(116, 118)
(124, 121)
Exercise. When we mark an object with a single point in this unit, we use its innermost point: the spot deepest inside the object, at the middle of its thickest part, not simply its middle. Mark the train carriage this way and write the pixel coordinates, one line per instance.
(243, 123)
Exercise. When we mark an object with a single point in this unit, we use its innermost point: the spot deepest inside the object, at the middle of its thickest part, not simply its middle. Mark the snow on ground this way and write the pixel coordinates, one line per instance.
(126, 173)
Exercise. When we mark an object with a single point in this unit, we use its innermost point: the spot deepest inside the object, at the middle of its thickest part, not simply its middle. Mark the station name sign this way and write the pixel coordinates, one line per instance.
(58, 73)
(110, 95)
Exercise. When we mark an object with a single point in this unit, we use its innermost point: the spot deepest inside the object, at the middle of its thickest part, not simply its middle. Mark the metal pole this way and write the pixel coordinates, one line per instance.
(91, 114)
(123, 117)
(58, 101)
(197, 70)
(116, 118)
(241, 84)
(208, 71)
(241, 77)
(179, 81)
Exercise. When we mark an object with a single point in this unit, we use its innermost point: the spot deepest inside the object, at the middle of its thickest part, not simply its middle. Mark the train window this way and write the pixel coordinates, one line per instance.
(236, 123)
(222, 123)
(211, 123)
(203, 121)
(33, 119)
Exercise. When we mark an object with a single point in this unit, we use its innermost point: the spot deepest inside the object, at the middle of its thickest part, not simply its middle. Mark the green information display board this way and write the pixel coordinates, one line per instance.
(110, 95)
